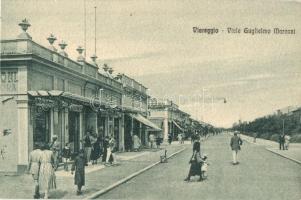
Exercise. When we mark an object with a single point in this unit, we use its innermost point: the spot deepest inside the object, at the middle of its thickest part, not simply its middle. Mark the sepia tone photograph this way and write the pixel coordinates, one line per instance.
(150, 99)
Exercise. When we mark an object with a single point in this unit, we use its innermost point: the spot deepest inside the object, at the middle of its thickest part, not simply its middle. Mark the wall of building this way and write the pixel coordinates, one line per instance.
(9, 135)
(14, 124)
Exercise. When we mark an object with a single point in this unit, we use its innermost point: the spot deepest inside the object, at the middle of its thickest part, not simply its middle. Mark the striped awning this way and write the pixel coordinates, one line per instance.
(145, 121)
(177, 125)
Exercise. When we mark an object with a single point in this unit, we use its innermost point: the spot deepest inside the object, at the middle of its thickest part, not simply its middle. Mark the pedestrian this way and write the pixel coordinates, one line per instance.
(180, 138)
(136, 143)
(87, 146)
(47, 180)
(34, 166)
(281, 141)
(112, 145)
(105, 146)
(254, 136)
(158, 142)
(96, 150)
(79, 167)
(235, 144)
(195, 161)
(204, 167)
(286, 141)
(152, 140)
(55, 148)
(169, 139)
(66, 155)
(111, 158)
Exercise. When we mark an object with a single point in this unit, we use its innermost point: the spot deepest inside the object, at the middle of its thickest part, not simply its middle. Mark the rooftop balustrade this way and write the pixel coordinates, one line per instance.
(27, 46)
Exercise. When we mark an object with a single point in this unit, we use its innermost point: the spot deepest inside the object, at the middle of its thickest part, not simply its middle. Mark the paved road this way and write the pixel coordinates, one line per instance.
(260, 175)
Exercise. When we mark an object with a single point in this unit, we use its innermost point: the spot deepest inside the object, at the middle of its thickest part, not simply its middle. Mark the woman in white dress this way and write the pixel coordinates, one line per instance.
(46, 176)
(286, 141)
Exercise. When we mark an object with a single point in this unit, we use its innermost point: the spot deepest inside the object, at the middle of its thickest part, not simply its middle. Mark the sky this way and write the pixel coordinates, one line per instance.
(153, 42)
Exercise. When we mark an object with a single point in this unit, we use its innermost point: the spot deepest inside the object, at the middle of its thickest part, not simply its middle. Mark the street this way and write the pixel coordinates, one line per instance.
(260, 175)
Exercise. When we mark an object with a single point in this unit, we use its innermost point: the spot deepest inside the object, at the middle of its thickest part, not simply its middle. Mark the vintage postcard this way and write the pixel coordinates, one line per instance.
(150, 99)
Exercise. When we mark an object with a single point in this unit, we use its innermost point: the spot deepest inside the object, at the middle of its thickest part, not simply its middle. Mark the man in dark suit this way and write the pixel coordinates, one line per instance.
(281, 141)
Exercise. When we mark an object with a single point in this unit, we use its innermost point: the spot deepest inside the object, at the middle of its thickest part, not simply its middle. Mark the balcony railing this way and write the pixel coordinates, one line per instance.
(24, 46)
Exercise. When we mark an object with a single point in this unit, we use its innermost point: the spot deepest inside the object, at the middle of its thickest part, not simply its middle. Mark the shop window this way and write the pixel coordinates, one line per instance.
(41, 132)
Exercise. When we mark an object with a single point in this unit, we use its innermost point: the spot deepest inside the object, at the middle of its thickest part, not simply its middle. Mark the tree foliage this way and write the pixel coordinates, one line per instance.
(269, 126)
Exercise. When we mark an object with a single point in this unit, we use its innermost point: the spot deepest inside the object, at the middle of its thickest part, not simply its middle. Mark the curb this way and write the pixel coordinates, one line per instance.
(292, 159)
(107, 189)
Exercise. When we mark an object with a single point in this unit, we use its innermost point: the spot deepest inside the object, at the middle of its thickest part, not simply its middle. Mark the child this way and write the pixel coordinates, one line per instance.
(66, 154)
(204, 167)
(79, 167)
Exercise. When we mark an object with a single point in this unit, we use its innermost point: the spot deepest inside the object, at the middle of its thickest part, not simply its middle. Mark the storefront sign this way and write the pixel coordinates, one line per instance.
(44, 104)
(9, 81)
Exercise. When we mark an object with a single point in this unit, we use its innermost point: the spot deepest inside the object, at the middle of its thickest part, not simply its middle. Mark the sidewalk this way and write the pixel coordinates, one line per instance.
(98, 176)
(293, 153)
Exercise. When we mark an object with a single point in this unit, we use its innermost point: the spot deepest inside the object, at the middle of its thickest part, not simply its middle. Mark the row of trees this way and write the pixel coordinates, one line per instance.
(269, 127)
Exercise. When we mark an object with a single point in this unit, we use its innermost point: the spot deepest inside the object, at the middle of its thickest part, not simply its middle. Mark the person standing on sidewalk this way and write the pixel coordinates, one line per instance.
(79, 167)
(66, 155)
(286, 141)
(111, 157)
(34, 167)
(235, 146)
(169, 139)
(95, 153)
(47, 179)
(180, 138)
(87, 146)
(281, 141)
(105, 149)
(158, 141)
(151, 140)
(136, 143)
(55, 148)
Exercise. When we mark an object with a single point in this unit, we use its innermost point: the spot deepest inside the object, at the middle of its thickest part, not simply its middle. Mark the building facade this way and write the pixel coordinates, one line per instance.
(135, 106)
(44, 94)
(168, 116)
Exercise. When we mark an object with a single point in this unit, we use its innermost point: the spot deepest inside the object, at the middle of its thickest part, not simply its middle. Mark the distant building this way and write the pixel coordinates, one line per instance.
(134, 104)
(168, 117)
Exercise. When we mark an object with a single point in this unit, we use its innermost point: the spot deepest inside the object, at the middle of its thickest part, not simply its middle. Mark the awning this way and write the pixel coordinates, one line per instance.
(145, 121)
(177, 125)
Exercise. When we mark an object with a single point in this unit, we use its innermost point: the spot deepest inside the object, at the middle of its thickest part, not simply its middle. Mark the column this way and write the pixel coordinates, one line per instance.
(140, 131)
(66, 125)
(106, 125)
(81, 128)
(165, 129)
(23, 135)
(132, 126)
(121, 133)
(165, 125)
(51, 124)
(56, 130)
(23, 120)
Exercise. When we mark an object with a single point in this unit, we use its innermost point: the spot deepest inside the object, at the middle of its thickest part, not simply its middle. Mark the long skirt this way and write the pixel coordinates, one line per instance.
(195, 169)
(79, 178)
(47, 179)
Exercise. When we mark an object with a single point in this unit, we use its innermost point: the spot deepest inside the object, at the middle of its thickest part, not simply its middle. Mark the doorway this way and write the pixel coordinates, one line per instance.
(116, 132)
(41, 130)
(74, 135)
